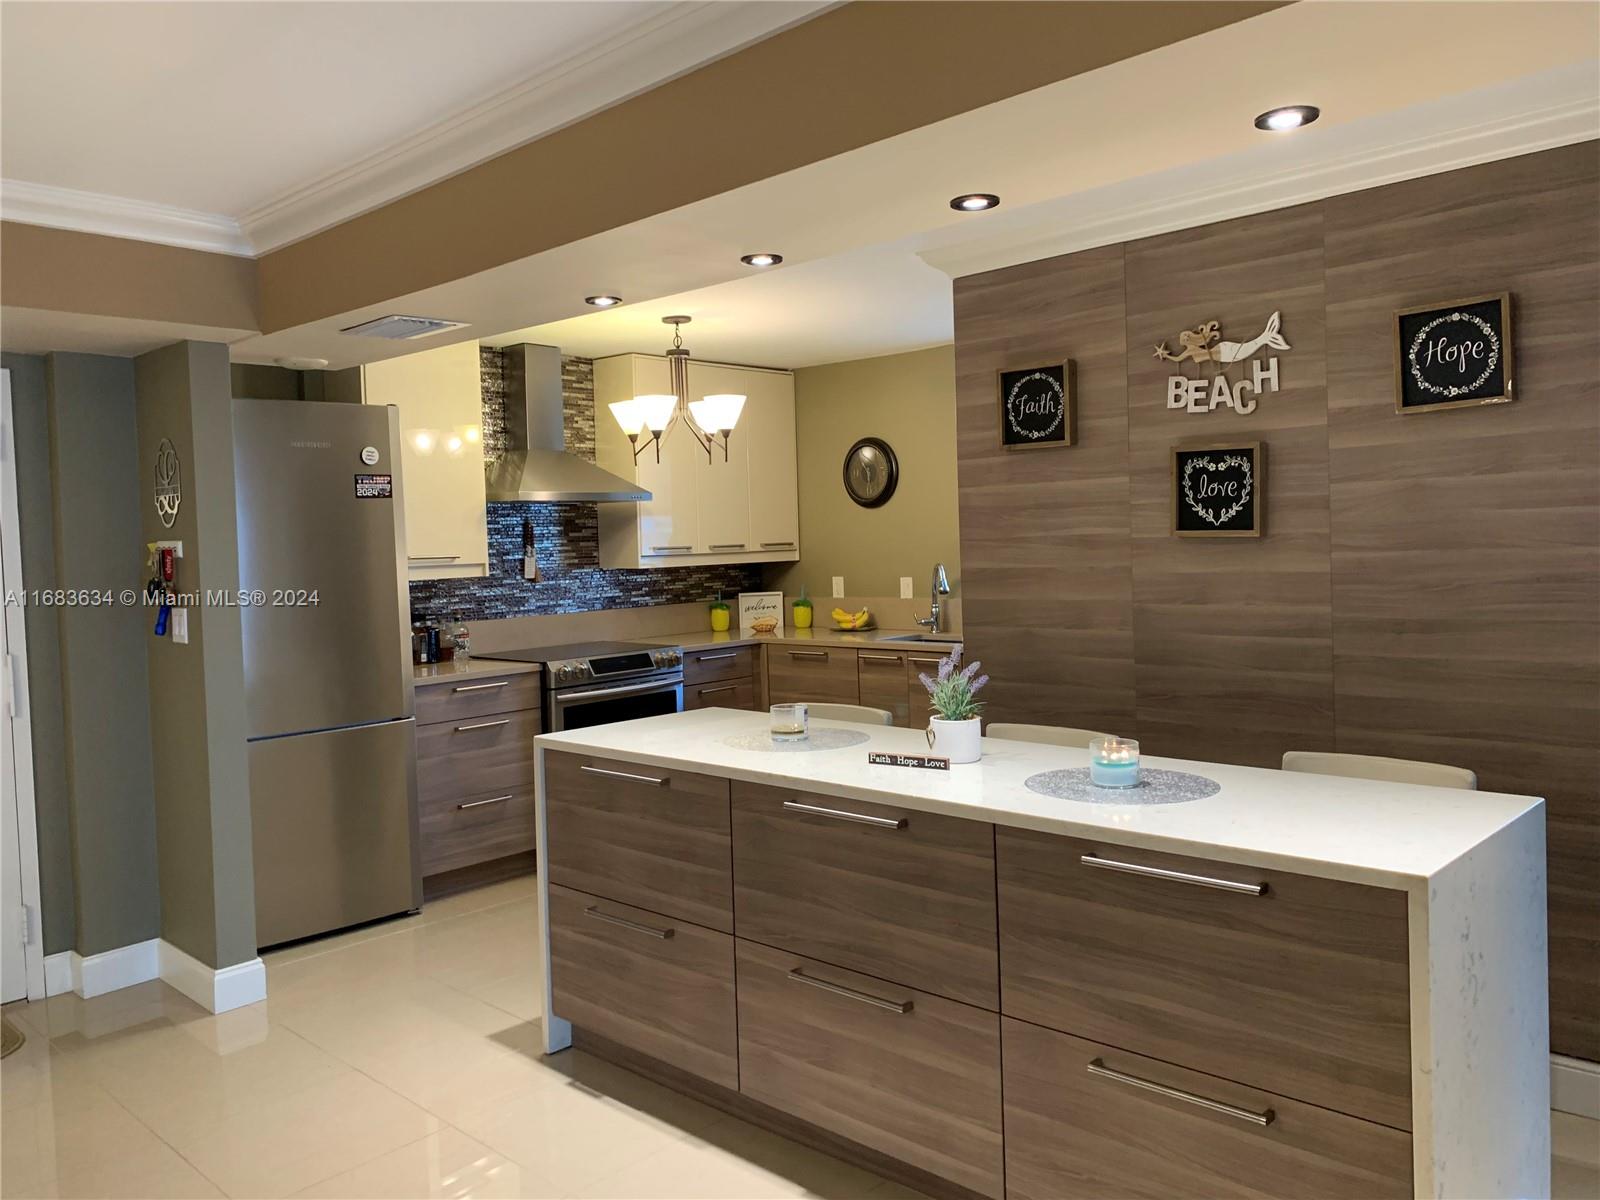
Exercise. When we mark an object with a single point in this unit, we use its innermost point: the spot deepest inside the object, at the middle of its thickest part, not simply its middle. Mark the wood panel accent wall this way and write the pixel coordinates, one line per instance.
(1428, 585)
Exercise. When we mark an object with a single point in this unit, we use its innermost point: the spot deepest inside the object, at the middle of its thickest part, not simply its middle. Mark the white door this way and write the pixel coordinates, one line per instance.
(767, 428)
(13, 952)
(724, 478)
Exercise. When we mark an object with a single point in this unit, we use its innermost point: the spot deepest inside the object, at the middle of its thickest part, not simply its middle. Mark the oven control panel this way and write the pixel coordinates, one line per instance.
(629, 665)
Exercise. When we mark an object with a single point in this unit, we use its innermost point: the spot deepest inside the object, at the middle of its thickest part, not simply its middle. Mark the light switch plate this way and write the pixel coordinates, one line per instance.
(180, 626)
(838, 586)
(905, 587)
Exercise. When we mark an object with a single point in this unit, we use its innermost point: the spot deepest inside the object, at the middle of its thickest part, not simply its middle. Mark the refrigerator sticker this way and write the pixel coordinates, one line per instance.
(374, 487)
(369, 455)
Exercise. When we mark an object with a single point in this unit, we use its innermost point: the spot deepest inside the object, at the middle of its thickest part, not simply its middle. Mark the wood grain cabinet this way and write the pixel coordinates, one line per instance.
(803, 672)
(722, 677)
(881, 682)
(906, 1073)
(1288, 983)
(906, 896)
(475, 770)
(655, 839)
(657, 985)
(1086, 1121)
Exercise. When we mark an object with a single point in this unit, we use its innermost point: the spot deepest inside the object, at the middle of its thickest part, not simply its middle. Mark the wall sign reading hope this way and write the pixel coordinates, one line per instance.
(1453, 355)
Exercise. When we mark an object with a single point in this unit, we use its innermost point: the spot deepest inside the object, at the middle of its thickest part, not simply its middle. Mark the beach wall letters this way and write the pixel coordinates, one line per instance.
(1203, 344)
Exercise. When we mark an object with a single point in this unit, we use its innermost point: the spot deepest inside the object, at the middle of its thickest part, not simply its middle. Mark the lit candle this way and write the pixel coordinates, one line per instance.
(1114, 762)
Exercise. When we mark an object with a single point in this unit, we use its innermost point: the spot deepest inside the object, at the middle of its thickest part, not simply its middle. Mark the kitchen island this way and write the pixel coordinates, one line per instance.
(1295, 985)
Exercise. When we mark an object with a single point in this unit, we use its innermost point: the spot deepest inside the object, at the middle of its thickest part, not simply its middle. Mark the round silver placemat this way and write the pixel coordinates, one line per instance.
(820, 739)
(1155, 787)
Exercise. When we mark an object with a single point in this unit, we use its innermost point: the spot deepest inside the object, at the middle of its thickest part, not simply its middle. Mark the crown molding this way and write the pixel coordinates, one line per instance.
(1242, 184)
(94, 212)
(679, 39)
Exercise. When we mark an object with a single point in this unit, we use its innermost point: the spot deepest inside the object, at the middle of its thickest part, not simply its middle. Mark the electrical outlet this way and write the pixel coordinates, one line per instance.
(905, 587)
(838, 586)
(180, 626)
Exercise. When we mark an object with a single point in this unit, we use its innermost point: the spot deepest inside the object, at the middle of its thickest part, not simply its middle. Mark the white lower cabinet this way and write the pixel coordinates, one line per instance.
(740, 508)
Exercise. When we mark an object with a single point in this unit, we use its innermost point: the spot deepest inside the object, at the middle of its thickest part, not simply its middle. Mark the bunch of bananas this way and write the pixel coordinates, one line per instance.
(856, 620)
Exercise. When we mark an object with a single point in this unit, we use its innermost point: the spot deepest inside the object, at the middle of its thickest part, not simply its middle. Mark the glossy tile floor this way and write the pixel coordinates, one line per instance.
(398, 1061)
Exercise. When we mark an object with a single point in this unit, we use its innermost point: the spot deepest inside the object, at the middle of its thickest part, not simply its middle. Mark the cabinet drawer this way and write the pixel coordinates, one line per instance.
(881, 682)
(477, 755)
(1073, 1133)
(911, 1075)
(661, 986)
(654, 838)
(918, 665)
(718, 662)
(811, 673)
(906, 896)
(477, 697)
(728, 693)
(1301, 990)
(467, 828)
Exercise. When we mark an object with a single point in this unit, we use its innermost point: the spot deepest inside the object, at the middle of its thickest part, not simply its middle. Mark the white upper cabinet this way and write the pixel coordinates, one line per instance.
(440, 399)
(742, 508)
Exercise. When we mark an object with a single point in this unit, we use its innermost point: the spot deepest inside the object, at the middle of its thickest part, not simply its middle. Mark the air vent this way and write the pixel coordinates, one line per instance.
(399, 328)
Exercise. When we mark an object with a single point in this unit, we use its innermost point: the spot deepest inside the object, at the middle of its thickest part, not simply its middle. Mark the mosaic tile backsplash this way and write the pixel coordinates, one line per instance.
(567, 536)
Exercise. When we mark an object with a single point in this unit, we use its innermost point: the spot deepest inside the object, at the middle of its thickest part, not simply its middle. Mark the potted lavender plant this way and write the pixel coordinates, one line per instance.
(955, 731)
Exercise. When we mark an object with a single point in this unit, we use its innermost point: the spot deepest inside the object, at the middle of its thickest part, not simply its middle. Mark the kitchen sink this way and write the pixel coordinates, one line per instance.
(926, 639)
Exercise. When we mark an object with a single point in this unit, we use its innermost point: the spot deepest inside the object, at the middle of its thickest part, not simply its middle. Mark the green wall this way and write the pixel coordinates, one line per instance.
(908, 400)
(30, 406)
(97, 494)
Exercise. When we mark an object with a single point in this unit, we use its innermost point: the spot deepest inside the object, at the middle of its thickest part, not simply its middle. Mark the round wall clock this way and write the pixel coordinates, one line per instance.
(871, 472)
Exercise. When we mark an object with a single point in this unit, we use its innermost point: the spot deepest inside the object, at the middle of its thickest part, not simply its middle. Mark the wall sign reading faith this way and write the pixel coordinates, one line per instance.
(1453, 355)
(1037, 406)
(1201, 345)
(1218, 489)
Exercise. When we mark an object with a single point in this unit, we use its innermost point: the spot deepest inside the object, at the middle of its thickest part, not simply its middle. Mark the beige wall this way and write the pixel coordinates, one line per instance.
(908, 400)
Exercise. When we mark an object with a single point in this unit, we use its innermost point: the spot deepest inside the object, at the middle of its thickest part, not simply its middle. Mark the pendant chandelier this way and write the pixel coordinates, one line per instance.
(707, 418)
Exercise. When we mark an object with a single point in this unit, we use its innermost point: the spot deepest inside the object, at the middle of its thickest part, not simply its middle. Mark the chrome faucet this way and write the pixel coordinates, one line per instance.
(938, 586)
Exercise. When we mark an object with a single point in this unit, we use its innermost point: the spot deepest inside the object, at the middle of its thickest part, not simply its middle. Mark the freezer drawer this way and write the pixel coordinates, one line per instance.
(334, 818)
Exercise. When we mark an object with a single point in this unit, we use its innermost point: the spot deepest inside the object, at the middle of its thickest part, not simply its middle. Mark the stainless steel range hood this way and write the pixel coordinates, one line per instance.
(536, 465)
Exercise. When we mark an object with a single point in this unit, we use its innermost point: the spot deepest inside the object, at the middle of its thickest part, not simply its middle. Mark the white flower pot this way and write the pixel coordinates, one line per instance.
(955, 740)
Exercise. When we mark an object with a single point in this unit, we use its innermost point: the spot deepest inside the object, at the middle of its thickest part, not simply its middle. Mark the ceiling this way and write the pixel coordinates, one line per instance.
(264, 120)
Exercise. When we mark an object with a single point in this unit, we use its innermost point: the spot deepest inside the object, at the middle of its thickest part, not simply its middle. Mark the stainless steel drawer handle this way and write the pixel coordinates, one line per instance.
(433, 558)
(1097, 1067)
(808, 654)
(672, 549)
(480, 687)
(777, 545)
(483, 725)
(890, 658)
(652, 780)
(839, 814)
(714, 657)
(481, 803)
(838, 989)
(926, 662)
(729, 546)
(663, 934)
(1222, 885)
(712, 691)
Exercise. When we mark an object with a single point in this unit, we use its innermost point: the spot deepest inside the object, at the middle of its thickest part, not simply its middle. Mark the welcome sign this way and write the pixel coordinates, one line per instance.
(1453, 355)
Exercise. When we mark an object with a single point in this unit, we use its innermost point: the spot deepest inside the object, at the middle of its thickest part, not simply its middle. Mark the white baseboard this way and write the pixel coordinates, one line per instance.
(125, 966)
(1575, 1086)
(58, 973)
(213, 989)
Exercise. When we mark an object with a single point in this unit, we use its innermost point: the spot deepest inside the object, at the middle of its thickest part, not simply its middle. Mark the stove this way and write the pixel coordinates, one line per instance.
(596, 683)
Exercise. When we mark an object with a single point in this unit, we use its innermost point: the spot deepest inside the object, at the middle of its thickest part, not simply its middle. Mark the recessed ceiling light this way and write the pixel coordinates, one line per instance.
(763, 259)
(1291, 116)
(975, 202)
(603, 301)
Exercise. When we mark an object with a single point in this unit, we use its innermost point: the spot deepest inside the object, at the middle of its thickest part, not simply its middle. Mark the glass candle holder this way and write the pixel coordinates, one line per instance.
(1113, 762)
(789, 723)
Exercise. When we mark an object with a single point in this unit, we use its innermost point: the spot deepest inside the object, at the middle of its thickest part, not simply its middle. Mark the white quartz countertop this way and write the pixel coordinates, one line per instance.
(1386, 834)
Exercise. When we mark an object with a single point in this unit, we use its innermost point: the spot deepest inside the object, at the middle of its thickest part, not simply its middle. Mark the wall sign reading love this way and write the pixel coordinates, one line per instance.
(1218, 489)
(1453, 355)
(1036, 406)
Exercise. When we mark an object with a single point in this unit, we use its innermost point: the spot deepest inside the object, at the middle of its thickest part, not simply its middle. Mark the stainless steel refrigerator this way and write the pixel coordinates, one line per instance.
(327, 665)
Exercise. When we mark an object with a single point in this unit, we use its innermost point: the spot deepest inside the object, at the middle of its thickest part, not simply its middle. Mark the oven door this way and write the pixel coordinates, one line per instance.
(603, 704)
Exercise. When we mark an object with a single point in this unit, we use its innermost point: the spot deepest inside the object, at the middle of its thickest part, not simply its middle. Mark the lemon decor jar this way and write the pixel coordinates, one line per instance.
(802, 611)
(719, 616)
